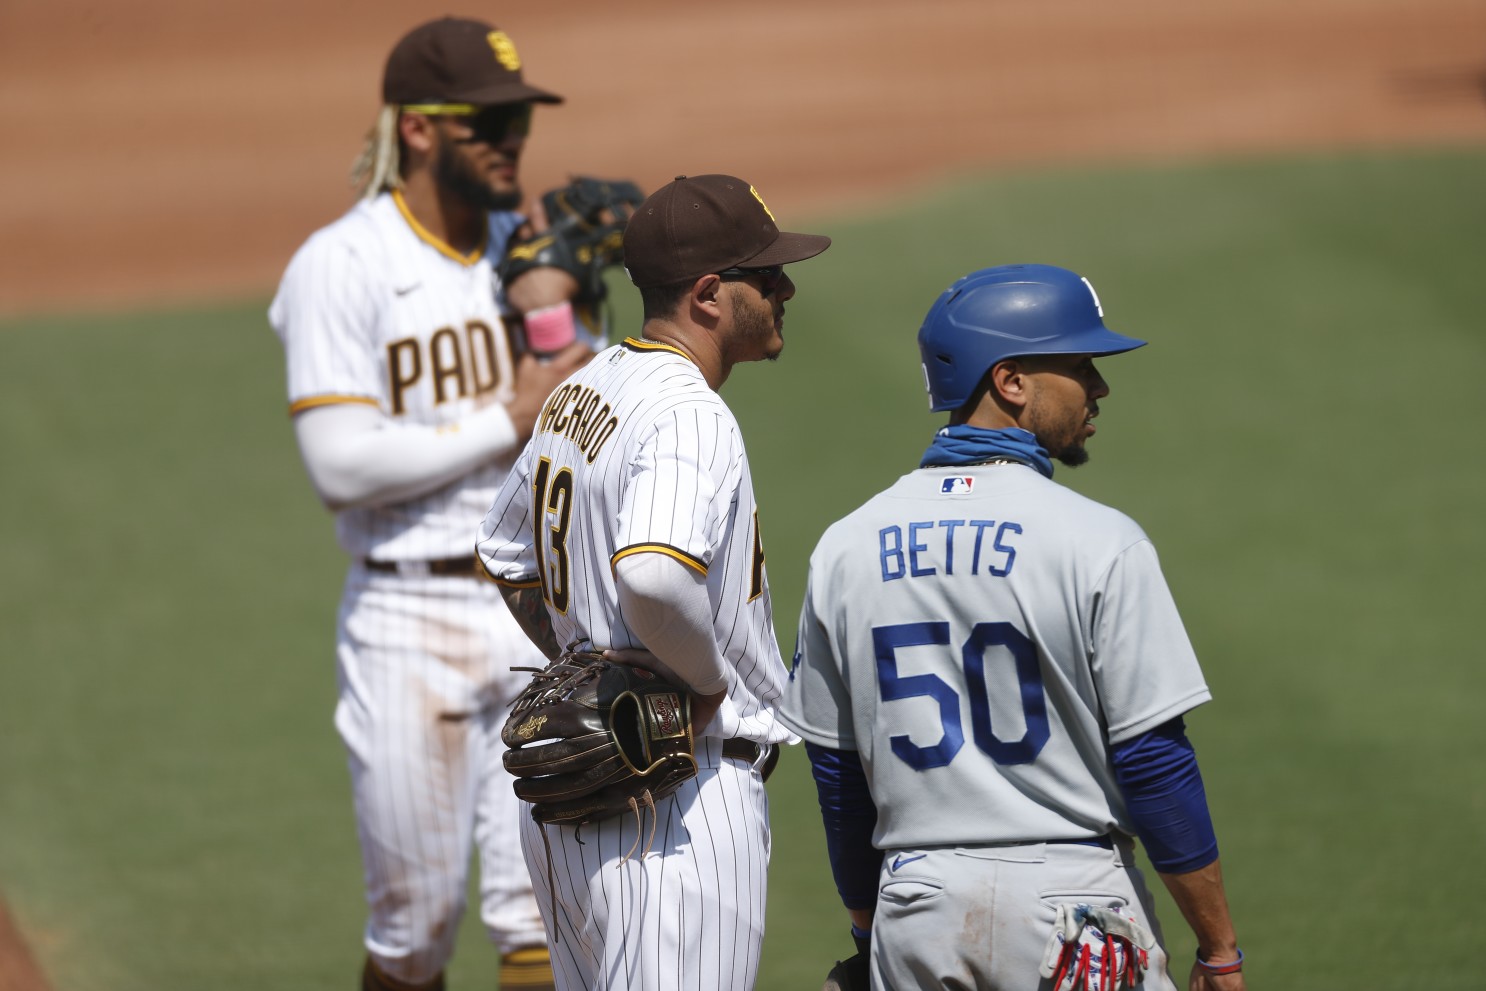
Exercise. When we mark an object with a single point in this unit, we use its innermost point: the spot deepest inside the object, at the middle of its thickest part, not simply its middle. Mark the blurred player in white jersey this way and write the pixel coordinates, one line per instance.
(990, 680)
(629, 523)
(409, 406)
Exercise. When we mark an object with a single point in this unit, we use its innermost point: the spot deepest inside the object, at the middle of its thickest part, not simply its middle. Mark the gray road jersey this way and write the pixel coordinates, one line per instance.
(982, 635)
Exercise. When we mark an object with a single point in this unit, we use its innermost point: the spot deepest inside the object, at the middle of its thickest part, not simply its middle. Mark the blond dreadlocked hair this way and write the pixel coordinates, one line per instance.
(377, 167)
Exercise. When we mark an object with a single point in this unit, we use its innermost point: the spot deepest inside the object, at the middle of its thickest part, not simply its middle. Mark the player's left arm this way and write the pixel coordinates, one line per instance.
(1200, 897)
(1148, 677)
(1162, 786)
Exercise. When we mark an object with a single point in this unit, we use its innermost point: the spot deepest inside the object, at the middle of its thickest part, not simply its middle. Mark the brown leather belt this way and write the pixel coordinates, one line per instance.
(740, 749)
(452, 567)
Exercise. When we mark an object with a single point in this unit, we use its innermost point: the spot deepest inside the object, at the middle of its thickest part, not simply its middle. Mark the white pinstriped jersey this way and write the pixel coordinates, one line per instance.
(981, 635)
(373, 309)
(636, 453)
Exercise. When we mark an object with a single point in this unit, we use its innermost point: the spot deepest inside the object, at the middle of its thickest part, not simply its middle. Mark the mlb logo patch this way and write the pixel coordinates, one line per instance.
(957, 485)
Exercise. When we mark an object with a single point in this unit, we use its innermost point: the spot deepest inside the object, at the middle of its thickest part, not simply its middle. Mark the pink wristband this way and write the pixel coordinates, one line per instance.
(551, 328)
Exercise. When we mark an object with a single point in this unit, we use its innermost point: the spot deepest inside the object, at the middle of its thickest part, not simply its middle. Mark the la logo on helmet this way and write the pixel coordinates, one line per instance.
(1097, 305)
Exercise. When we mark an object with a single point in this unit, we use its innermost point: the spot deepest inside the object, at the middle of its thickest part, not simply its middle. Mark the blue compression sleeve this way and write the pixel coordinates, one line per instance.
(1158, 775)
(849, 816)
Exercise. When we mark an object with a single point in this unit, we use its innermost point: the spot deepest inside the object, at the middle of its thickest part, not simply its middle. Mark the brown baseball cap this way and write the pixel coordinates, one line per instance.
(455, 60)
(707, 223)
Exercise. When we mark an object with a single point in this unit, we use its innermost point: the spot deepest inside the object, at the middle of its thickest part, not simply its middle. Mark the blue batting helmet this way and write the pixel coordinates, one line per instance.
(1006, 312)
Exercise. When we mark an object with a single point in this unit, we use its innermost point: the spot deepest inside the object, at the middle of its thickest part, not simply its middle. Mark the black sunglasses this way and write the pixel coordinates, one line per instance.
(769, 277)
(491, 124)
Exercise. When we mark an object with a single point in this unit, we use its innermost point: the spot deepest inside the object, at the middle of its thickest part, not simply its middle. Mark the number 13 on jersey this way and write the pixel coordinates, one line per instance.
(552, 492)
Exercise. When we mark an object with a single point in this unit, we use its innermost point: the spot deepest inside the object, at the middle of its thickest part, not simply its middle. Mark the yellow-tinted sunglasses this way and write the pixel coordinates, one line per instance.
(492, 124)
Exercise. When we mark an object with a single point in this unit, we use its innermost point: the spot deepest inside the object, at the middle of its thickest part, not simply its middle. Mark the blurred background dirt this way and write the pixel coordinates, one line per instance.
(167, 151)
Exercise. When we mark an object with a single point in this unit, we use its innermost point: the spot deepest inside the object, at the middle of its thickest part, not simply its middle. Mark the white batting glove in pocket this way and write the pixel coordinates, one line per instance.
(1095, 949)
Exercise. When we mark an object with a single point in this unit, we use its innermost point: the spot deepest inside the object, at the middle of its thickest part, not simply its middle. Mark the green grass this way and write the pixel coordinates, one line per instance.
(1301, 441)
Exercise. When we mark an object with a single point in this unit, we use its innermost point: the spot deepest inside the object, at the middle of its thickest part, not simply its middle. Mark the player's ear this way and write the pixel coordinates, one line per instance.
(1008, 383)
(417, 131)
(704, 298)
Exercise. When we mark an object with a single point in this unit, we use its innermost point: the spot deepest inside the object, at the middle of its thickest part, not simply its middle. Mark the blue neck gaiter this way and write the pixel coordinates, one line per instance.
(967, 445)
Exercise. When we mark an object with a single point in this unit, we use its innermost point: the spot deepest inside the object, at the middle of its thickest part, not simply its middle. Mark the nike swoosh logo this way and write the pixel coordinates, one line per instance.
(900, 860)
(404, 290)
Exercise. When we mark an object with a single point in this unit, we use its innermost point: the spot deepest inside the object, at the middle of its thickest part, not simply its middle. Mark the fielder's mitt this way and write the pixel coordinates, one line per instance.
(590, 739)
(584, 236)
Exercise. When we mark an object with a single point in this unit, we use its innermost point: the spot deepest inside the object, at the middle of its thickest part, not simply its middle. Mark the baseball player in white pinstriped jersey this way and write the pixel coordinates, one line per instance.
(628, 524)
(409, 407)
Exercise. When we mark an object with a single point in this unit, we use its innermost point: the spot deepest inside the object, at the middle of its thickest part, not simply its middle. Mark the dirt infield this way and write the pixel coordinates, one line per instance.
(18, 971)
(164, 150)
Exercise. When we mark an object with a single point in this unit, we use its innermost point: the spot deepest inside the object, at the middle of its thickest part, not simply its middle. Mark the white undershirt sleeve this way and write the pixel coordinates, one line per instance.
(357, 456)
(665, 603)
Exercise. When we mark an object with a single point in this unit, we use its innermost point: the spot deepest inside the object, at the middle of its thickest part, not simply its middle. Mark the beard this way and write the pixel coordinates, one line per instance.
(1060, 432)
(754, 324)
(1073, 456)
(455, 174)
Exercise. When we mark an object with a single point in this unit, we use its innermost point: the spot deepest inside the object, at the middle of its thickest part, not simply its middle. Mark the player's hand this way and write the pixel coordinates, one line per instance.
(639, 657)
(703, 707)
(1203, 980)
(535, 380)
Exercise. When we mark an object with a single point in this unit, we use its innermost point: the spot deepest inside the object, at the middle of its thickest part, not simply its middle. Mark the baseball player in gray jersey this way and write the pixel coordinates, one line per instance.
(409, 404)
(990, 680)
(629, 522)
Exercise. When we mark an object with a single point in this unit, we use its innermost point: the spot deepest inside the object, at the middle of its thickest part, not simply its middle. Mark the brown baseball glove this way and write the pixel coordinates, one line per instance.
(592, 738)
(584, 235)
